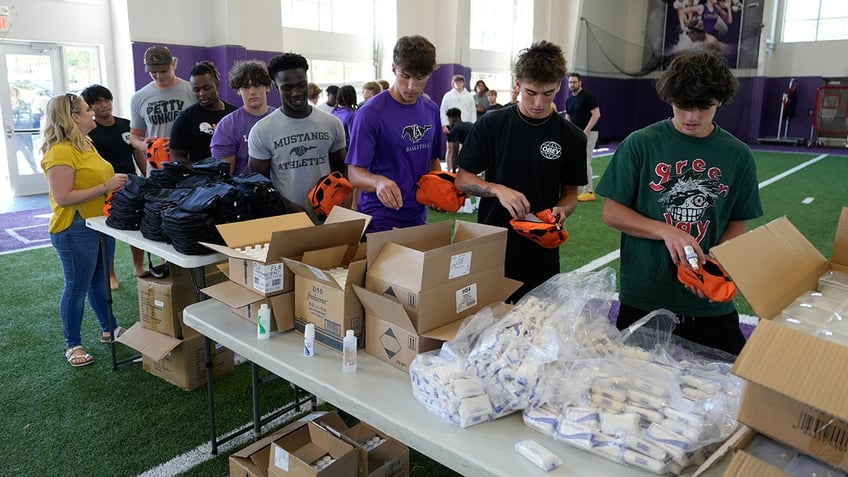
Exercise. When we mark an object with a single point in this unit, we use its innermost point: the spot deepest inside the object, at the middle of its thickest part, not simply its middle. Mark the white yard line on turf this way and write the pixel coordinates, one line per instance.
(201, 454)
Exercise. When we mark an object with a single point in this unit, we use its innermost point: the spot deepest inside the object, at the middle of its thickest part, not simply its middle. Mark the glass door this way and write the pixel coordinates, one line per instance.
(32, 75)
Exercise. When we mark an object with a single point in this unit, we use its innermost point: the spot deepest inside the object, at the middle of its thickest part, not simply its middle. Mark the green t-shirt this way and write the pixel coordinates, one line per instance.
(695, 184)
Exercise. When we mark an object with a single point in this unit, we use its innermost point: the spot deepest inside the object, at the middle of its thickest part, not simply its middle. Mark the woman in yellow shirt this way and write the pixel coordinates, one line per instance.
(79, 180)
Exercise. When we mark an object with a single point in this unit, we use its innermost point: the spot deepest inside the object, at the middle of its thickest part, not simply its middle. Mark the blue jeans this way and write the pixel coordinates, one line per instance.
(86, 274)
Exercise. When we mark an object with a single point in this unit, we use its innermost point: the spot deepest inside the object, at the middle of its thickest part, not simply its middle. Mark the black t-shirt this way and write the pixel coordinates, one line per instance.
(580, 108)
(537, 158)
(192, 130)
(459, 132)
(113, 144)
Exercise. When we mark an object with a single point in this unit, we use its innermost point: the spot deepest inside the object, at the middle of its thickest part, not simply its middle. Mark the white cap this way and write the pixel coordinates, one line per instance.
(349, 333)
(309, 331)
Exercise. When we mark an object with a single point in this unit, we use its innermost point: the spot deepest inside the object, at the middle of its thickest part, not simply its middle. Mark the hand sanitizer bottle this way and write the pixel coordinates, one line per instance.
(309, 340)
(263, 322)
(349, 352)
(691, 256)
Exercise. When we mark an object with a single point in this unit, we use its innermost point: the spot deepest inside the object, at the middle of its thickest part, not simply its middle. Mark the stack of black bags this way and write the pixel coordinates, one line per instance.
(182, 205)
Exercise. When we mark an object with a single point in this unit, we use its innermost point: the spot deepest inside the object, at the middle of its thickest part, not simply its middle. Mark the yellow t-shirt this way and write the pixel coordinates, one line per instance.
(89, 170)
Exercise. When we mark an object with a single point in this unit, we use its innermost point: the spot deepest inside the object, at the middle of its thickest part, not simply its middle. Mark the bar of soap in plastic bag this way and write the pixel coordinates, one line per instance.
(537, 454)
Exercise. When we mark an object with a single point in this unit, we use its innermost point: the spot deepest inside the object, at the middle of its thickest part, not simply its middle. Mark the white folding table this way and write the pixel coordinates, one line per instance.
(381, 395)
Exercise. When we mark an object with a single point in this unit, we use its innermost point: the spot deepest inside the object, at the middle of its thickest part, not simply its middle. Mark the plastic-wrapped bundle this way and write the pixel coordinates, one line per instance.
(654, 401)
(508, 349)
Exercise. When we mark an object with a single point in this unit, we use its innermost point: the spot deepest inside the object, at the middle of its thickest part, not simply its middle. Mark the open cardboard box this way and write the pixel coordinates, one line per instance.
(389, 459)
(796, 383)
(395, 337)
(424, 267)
(245, 304)
(321, 300)
(287, 236)
(741, 458)
(179, 362)
(293, 453)
(253, 460)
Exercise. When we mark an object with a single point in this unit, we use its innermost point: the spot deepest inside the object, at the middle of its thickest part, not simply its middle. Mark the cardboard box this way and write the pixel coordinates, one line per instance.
(253, 460)
(797, 382)
(424, 267)
(320, 299)
(180, 362)
(390, 459)
(287, 236)
(747, 459)
(395, 337)
(293, 453)
(161, 302)
(245, 304)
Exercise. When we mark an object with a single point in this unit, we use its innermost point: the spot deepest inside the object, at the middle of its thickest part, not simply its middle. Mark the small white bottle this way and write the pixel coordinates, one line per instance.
(263, 322)
(309, 340)
(349, 352)
(691, 256)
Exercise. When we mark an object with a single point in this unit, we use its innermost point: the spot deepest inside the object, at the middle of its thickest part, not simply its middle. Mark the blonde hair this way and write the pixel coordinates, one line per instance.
(60, 126)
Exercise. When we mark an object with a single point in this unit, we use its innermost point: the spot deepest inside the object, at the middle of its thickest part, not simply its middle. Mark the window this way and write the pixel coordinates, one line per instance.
(501, 25)
(83, 67)
(337, 16)
(815, 20)
(325, 72)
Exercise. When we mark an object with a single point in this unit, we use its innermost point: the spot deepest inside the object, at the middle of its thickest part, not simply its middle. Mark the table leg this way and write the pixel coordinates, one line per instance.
(257, 413)
(210, 390)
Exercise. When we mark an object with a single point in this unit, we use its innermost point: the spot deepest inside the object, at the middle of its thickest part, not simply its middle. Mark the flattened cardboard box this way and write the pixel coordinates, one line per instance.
(392, 335)
(797, 383)
(245, 304)
(293, 453)
(321, 300)
(180, 362)
(287, 236)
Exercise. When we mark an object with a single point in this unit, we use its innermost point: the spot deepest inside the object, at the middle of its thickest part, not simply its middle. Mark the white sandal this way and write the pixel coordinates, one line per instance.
(74, 358)
(104, 336)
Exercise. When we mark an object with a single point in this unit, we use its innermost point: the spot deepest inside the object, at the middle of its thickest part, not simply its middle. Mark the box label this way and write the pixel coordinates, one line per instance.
(316, 302)
(281, 458)
(333, 328)
(460, 265)
(466, 297)
(268, 278)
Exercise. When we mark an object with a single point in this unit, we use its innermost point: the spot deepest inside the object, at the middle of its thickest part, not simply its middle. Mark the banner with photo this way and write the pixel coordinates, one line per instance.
(730, 28)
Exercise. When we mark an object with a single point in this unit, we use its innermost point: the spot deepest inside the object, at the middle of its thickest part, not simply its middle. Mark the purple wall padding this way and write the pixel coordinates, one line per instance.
(222, 56)
(630, 104)
(626, 104)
